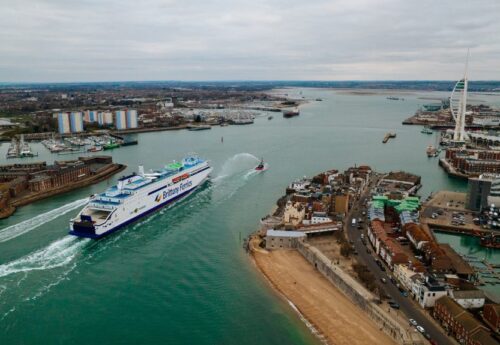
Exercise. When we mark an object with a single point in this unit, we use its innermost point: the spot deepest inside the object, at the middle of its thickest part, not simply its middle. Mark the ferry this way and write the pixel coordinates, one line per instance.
(137, 195)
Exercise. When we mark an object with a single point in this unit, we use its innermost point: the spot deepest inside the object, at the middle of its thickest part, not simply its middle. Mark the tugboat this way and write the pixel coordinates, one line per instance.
(262, 166)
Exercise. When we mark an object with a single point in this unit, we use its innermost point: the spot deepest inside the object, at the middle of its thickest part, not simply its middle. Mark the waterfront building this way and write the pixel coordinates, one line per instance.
(131, 118)
(477, 193)
(461, 324)
(471, 162)
(279, 239)
(491, 315)
(63, 123)
(120, 119)
(76, 122)
(469, 299)
(429, 292)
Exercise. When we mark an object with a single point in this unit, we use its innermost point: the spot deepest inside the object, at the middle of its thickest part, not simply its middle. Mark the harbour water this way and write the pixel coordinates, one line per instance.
(181, 276)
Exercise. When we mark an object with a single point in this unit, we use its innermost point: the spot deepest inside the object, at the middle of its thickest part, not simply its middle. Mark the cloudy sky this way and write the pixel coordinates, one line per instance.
(96, 40)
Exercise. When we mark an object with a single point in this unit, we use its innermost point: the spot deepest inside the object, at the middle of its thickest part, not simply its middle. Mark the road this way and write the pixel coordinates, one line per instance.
(407, 306)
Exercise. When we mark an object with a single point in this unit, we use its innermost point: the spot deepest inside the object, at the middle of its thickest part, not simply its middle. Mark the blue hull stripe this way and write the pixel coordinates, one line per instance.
(131, 220)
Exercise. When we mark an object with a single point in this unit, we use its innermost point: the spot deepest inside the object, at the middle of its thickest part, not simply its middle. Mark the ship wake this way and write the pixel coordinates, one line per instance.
(56, 254)
(28, 225)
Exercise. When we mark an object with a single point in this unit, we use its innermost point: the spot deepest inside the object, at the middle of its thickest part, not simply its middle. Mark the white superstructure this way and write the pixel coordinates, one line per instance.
(137, 195)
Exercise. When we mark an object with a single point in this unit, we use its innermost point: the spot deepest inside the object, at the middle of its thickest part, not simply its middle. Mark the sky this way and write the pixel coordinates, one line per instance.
(115, 40)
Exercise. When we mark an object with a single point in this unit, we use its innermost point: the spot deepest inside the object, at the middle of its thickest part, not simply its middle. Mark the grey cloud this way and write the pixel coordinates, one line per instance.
(61, 40)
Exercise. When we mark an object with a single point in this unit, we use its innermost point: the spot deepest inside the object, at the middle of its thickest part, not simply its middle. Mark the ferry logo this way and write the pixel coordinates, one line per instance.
(158, 197)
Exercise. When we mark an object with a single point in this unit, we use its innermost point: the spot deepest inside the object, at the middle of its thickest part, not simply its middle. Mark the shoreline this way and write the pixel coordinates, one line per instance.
(321, 309)
(113, 169)
(309, 324)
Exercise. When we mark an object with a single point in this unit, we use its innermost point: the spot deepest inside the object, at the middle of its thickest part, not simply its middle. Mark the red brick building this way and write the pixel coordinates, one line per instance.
(491, 315)
(461, 324)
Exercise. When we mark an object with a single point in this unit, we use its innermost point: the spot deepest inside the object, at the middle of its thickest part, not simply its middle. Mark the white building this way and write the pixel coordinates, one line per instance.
(278, 239)
(76, 122)
(120, 119)
(469, 299)
(131, 118)
(63, 123)
(405, 276)
(320, 217)
(428, 292)
(300, 185)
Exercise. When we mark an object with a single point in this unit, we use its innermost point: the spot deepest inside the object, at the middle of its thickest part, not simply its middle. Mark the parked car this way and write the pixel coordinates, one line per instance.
(383, 280)
(413, 322)
(421, 329)
(394, 305)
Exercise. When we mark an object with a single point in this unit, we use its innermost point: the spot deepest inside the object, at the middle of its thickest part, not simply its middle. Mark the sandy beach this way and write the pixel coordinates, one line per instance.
(321, 303)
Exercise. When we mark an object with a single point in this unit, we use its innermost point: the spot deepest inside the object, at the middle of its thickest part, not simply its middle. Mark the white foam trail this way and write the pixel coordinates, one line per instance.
(19, 229)
(238, 163)
(56, 254)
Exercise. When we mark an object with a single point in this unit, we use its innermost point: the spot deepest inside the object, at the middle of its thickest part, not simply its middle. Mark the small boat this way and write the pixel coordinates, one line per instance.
(431, 151)
(111, 145)
(318, 100)
(291, 113)
(262, 166)
(95, 149)
(199, 127)
(270, 117)
(427, 130)
(130, 142)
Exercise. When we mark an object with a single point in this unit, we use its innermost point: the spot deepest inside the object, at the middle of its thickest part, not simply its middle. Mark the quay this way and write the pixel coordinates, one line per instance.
(22, 184)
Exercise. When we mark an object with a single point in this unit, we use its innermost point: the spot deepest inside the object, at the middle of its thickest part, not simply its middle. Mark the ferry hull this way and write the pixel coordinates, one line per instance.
(136, 218)
(145, 202)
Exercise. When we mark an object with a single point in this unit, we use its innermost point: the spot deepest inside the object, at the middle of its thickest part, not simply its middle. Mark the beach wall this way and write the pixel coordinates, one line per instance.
(357, 293)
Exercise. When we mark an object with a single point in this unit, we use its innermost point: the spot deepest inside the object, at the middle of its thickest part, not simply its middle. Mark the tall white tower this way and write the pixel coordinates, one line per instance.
(458, 105)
